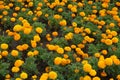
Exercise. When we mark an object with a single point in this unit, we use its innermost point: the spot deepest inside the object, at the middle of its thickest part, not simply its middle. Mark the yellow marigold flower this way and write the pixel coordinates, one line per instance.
(118, 76)
(25, 46)
(39, 13)
(87, 30)
(57, 16)
(39, 30)
(60, 50)
(44, 76)
(14, 53)
(108, 61)
(51, 47)
(112, 24)
(67, 48)
(114, 33)
(4, 46)
(101, 64)
(74, 24)
(57, 60)
(64, 61)
(24, 75)
(87, 67)
(30, 53)
(63, 23)
(18, 79)
(27, 30)
(18, 63)
(52, 75)
(19, 47)
(60, 10)
(116, 61)
(7, 76)
(115, 40)
(73, 46)
(87, 77)
(69, 36)
(92, 72)
(97, 55)
(37, 38)
(82, 14)
(33, 43)
(4, 53)
(30, 4)
(74, 9)
(96, 78)
(17, 28)
(15, 69)
(17, 37)
(108, 42)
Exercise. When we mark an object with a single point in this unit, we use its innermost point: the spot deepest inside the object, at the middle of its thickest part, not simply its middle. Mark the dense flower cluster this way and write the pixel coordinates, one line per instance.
(59, 40)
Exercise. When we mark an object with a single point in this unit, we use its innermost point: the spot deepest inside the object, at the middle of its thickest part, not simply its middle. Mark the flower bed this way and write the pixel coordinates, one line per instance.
(59, 40)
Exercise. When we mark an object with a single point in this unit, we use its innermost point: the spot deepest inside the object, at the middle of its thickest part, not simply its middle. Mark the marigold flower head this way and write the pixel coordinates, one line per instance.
(4, 46)
(108, 61)
(108, 42)
(63, 23)
(52, 75)
(17, 37)
(92, 72)
(17, 28)
(37, 38)
(44, 76)
(101, 64)
(18, 63)
(14, 53)
(4, 53)
(57, 60)
(39, 30)
(60, 50)
(96, 78)
(87, 67)
(87, 77)
(15, 69)
(24, 75)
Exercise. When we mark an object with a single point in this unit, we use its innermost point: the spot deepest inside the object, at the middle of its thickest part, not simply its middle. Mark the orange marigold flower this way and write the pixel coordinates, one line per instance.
(108, 42)
(14, 53)
(108, 61)
(17, 37)
(15, 69)
(82, 14)
(39, 30)
(57, 60)
(44, 76)
(52, 75)
(60, 50)
(87, 77)
(18, 63)
(92, 72)
(4, 53)
(87, 67)
(101, 64)
(63, 23)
